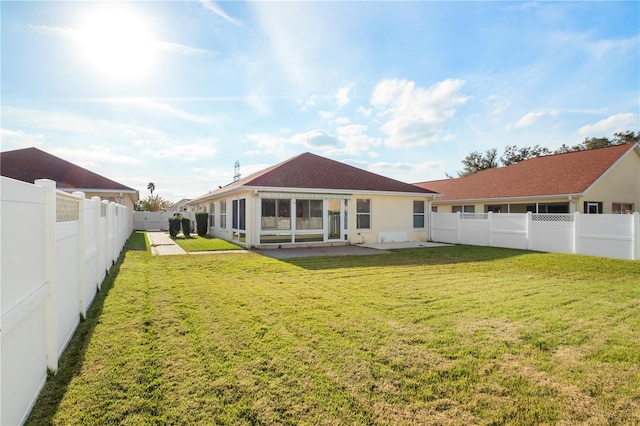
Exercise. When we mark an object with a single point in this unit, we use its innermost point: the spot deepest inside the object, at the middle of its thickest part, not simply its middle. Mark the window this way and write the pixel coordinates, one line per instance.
(494, 208)
(309, 214)
(238, 211)
(463, 209)
(363, 213)
(418, 214)
(223, 214)
(593, 207)
(212, 215)
(276, 214)
(621, 208)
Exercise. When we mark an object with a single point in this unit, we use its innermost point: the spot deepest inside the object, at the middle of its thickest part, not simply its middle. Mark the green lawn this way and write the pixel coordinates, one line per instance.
(196, 243)
(451, 335)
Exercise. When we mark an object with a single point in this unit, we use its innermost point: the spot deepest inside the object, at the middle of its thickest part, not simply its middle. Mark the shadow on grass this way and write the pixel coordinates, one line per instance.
(408, 257)
(71, 361)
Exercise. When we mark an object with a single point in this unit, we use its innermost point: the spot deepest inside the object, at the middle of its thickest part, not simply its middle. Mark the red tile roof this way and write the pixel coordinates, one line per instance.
(310, 171)
(30, 164)
(560, 174)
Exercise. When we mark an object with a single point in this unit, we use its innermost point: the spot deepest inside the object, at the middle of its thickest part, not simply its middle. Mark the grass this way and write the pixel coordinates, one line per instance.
(451, 335)
(197, 243)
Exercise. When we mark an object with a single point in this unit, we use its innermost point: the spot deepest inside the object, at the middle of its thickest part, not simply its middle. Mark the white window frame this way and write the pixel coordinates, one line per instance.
(360, 214)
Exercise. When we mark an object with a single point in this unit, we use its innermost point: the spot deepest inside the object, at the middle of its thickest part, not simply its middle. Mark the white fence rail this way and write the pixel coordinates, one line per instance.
(145, 221)
(605, 235)
(56, 250)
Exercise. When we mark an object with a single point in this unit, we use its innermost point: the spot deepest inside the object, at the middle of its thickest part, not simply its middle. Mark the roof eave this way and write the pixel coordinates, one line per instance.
(222, 192)
(524, 197)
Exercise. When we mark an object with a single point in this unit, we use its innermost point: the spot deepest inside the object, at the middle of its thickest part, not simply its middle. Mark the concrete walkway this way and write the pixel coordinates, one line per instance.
(162, 245)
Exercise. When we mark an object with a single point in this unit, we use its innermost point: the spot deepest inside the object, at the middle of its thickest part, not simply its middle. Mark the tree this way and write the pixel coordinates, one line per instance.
(151, 187)
(153, 203)
(513, 154)
(477, 161)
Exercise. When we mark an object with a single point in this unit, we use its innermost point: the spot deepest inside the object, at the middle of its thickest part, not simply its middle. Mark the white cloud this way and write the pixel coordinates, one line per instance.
(181, 49)
(532, 118)
(55, 120)
(93, 155)
(314, 139)
(213, 6)
(327, 115)
(365, 111)
(342, 120)
(497, 104)
(188, 152)
(342, 97)
(354, 139)
(410, 172)
(158, 107)
(80, 36)
(277, 146)
(309, 103)
(415, 115)
(611, 125)
(16, 139)
(600, 47)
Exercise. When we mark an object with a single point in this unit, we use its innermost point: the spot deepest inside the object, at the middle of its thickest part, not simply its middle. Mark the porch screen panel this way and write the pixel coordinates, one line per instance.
(309, 214)
(276, 214)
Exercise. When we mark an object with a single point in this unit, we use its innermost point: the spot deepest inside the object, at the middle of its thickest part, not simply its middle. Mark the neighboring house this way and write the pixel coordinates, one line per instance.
(603, 180)
(30, 164)
(177, 207)
(309, 200)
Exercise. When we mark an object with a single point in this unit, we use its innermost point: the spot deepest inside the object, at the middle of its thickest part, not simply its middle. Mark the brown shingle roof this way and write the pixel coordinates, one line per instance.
(315, 172)
(30, 164)
(560, 174)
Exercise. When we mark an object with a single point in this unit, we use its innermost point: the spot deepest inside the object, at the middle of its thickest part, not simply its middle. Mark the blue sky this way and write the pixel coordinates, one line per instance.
(176, 92)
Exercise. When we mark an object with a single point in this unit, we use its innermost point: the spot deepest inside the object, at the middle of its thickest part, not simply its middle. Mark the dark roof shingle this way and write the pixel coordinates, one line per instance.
(312, 171)
(560, 174)
(30, 164)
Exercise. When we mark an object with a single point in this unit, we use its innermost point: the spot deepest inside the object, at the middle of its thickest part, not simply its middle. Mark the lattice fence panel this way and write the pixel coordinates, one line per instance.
(552, 217)
(67, 209)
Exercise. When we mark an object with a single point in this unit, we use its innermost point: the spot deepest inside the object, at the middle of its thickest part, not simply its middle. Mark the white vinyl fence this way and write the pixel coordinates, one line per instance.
(56, 250)
(605, 235)
(146, 221)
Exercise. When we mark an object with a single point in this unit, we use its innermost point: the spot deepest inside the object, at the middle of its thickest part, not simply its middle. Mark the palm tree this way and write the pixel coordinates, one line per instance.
(151, 187)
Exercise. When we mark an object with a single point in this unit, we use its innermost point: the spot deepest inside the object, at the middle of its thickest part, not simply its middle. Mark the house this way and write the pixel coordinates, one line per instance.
(30, 164)
(312, 200)
(603, 180)
(177, 207)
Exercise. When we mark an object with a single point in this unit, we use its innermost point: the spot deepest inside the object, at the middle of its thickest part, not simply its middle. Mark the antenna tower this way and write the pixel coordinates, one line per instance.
(236, 171)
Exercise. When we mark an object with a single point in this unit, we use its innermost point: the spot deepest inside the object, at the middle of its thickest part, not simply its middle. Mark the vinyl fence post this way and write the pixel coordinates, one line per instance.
(635, 232)
(96, 225)
(527, 230)
(576, 233)
(459, 228)
(82, 216)
(490, 218)
(49, 268)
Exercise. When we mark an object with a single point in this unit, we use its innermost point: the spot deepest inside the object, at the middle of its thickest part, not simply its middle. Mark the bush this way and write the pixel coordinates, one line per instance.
(174, 226)
(202, 219)
(186, 227)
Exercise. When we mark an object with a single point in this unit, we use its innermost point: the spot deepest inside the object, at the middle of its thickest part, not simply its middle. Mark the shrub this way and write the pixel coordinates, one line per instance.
(202, 220)
(174, 226)
(186, 227)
